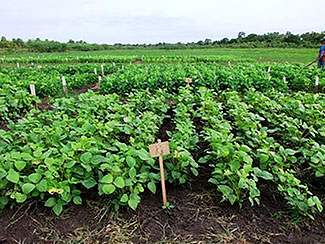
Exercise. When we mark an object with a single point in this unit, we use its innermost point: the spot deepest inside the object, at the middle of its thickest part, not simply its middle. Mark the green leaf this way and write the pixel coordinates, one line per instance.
(20, 165)
(98, 159)
(234, 165)
(289, 151)
(86, 157)
(107, 179)
(77, 200)
(3, 200)
(42, 186)
(89, 183)
(108, 188)
(144, 155)
(131, 161)
(152, 187)
(13, 176)
(28, 188)
(116, 169)
(194, 171)
(263, 174)
(57, 209)
(263, 158)
(50, 202)
(35, 177)
(226, 190)
(26, 156)
(20, 197)
(134, 200)
(119, 182)
(132, 172)
(124, 198)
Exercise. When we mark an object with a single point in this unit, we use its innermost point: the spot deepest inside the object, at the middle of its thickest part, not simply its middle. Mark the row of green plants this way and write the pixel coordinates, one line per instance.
(92, 142)
(100, 142)
(262, 77)
(15, 97)
(245, 149)
(48, 59)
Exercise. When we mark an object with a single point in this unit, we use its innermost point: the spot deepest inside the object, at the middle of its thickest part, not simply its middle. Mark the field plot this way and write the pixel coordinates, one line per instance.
(247, 142)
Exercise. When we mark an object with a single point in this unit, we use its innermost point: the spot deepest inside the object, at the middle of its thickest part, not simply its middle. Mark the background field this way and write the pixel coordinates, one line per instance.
(269, 54)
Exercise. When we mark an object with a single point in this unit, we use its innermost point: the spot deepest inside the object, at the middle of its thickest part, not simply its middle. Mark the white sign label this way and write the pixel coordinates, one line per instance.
(268, 70)
(17, 65)
(32, 90)
(95, 71)
(99, 78)
(63, 81)
(317, 81)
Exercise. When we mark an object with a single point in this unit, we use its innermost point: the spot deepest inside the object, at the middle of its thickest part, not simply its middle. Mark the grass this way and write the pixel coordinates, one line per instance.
(260, 54)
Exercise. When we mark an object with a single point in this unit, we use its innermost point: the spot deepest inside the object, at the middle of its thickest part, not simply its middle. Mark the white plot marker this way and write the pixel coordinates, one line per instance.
(64, 84)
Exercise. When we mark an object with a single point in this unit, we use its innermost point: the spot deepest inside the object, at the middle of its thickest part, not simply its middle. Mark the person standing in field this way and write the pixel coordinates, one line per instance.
(321, 55)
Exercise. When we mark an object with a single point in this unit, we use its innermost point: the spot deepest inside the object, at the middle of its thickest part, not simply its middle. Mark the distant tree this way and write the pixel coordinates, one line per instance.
(207, 41)
(241, 35)
(4, 43)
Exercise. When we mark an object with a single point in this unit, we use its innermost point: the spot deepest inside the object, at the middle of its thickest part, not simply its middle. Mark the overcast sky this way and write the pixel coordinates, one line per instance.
(150, 21)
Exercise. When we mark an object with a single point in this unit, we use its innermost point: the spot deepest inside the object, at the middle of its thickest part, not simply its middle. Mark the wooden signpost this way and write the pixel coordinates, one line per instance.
(316, 84)
(188, 81)
(64, 84)
(33, 92)
(160, 149)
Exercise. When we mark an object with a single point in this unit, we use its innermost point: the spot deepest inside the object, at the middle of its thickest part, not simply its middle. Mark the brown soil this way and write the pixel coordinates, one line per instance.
(92, 86)
(3, 125)
(167, 125)
(45, 105)
(198, 217)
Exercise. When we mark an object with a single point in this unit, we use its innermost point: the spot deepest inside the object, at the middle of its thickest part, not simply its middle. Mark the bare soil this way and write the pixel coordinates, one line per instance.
(197, 217)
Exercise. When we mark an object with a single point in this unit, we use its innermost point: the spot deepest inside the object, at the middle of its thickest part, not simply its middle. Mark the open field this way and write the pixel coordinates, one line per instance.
(246, 138)
(269, 54)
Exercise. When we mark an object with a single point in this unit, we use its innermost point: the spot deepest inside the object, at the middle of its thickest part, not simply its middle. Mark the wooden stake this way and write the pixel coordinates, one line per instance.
(159, 150)
(102, 68)
(64, 84)
(162, 174)
(316, 84)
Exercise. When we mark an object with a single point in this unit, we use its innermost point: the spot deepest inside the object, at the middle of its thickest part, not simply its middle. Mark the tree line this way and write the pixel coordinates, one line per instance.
(268, 40)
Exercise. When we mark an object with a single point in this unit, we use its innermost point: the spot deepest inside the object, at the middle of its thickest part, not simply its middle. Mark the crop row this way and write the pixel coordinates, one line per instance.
(101, 142)
(121, 59)
(218, 77)
(15, 99)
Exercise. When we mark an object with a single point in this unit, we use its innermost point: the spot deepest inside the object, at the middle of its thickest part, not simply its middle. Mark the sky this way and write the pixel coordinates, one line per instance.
(150, 21)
